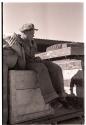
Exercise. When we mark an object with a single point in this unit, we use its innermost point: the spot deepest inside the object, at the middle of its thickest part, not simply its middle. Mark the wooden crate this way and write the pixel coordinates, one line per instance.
(26, 101)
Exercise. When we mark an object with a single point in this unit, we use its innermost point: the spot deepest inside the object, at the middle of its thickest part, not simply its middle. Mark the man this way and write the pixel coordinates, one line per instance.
(19, 52)
(78, 81)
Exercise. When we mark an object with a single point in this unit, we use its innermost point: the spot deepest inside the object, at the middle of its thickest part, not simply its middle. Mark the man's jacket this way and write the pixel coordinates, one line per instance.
(23, 47)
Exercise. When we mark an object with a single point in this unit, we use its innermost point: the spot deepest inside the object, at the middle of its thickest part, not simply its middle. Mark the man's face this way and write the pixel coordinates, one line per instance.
(29, 34)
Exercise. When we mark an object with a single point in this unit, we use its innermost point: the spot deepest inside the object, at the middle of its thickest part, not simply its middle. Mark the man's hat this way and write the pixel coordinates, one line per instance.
(27, 27)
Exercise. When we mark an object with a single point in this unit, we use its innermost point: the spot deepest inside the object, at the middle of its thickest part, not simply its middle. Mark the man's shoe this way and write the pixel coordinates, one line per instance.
(65, 103)
(56, 104)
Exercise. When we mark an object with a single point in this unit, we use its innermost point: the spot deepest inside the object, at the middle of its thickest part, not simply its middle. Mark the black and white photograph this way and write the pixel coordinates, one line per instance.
(43, 63)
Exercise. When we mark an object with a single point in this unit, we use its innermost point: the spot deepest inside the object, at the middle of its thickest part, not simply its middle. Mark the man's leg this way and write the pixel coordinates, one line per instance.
(56, 77)
(45, 83)
(58, 83)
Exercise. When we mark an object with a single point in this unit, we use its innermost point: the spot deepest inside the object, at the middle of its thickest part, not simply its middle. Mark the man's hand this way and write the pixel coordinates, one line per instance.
(38, 59)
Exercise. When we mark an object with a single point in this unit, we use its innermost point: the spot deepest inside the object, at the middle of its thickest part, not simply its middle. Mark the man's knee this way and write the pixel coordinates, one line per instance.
(58, 67)
(41, 67)
(53, 66)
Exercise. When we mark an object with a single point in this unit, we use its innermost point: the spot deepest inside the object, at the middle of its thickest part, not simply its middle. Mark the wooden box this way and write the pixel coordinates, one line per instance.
(26, 100)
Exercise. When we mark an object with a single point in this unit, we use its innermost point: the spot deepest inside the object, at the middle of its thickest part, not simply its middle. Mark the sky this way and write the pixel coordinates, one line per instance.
(56, 21)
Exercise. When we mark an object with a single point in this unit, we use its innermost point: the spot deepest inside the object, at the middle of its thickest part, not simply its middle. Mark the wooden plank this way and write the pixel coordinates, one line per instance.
(76, 50)
(56, 46)
(13, 105)
(30, 101)
(23, 78)
(67, 51)
(62, 45)
(31, 117)
(64, 115)
(55, 53)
